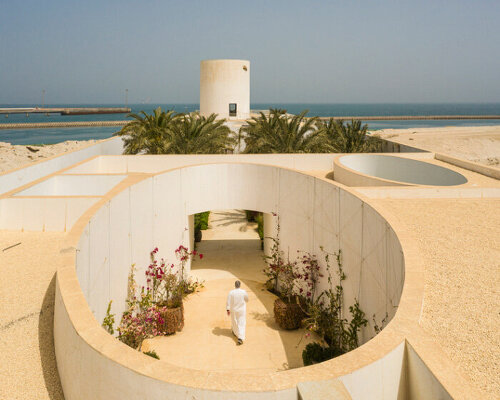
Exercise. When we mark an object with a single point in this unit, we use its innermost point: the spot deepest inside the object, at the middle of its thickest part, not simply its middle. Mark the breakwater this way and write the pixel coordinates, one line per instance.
(70, 124)
(65, 110)
(77, 124)
(414, 117)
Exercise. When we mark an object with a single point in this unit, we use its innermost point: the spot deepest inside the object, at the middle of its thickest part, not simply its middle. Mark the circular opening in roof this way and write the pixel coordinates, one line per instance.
(404, 170)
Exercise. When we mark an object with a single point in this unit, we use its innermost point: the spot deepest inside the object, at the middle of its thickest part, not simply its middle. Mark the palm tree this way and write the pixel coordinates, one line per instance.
(147, 133)
(197, 134)
(282, 133)
(175, 133)
(348, 137)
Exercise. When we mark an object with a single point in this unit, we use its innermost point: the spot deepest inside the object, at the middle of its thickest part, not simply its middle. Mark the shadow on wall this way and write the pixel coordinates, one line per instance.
(46, 344)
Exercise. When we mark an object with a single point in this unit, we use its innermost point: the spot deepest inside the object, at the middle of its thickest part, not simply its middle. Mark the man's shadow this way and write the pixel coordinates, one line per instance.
(217, 331)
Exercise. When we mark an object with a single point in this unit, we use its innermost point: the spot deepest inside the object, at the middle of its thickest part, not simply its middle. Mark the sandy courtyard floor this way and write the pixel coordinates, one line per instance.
(231, 251)
(480, 144)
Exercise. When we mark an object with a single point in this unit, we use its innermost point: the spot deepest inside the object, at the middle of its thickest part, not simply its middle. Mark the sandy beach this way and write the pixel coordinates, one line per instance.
(16, 156)
(480, 144)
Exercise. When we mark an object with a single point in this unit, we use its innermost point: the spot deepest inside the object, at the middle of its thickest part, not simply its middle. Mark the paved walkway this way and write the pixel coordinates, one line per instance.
(231, 251)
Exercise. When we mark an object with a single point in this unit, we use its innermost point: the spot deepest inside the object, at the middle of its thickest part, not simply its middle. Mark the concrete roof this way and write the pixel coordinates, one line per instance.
(451, 250)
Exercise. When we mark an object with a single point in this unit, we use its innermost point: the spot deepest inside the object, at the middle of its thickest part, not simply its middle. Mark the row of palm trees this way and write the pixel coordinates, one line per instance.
(168, 132)
(280, 132)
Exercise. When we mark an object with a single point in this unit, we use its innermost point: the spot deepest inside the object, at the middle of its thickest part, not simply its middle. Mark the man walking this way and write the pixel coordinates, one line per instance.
(236, 307)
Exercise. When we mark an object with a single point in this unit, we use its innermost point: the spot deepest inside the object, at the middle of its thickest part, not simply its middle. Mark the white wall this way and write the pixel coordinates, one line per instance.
(421, 383)
(42, 214)
(270, 225)
(17, 178)
(74, 185)
(223, 82)
(312, 213)
(383, 379)
(158, 163)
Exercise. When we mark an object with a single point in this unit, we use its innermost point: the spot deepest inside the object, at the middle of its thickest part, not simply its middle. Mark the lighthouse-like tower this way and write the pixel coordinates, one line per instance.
(225, 88)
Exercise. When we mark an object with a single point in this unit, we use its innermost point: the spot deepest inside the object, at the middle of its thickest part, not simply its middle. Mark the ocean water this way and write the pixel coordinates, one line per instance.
(55, 135)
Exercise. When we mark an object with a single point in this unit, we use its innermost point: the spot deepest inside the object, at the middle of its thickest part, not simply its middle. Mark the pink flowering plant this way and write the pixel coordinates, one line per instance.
(185, 285)
(165, 287)
(306, 277)
(138, 326)
(297, 282)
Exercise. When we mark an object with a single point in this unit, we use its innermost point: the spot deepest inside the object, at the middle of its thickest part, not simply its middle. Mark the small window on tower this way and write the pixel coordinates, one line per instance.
(232, 109)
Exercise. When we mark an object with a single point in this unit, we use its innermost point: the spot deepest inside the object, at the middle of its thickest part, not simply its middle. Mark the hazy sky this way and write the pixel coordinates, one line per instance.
(348, 51)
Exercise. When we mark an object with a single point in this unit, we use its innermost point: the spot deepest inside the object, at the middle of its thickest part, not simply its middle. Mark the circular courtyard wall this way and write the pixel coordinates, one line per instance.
(313, 213)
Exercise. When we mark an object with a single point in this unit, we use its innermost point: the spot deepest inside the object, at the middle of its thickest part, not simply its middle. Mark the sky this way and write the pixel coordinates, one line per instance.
(346, 51)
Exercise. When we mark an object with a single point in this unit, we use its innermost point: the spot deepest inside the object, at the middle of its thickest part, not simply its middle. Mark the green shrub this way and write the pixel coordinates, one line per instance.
(152, 353)
(251, 215)
(259, 218)
(314, 353)
(201, 221)
(109, 320)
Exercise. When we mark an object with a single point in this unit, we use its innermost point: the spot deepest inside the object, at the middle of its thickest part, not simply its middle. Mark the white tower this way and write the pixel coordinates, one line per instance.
(225, 88)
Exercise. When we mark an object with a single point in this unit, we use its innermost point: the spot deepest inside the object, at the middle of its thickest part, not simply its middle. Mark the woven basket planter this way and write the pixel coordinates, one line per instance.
(173, 320)
(288, 315)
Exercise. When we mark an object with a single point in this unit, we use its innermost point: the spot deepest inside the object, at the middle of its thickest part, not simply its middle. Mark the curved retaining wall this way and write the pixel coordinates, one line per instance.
(386, 170)
(154, 212)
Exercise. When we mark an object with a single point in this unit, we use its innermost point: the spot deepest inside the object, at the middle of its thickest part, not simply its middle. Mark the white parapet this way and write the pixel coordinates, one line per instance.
(225, 88)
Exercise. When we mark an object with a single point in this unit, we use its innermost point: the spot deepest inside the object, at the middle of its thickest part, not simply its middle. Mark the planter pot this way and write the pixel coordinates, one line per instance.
(173, 320)
(288, 315)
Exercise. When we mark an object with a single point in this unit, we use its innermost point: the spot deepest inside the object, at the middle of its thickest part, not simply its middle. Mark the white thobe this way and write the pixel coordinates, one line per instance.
(236, 303)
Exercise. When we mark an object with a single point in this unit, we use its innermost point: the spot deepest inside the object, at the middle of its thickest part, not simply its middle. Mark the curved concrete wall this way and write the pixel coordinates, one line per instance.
(154, 212)
(385, 170)
(223, 82)
(16, 178)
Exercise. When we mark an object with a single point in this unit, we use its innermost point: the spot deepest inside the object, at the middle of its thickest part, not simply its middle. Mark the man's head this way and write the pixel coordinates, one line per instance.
(237, 284)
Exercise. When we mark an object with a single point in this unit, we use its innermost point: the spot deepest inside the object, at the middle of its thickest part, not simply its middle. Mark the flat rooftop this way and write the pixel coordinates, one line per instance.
(456, 231)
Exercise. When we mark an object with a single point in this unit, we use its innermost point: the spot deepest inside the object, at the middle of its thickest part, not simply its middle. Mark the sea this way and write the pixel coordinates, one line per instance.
(56, 135)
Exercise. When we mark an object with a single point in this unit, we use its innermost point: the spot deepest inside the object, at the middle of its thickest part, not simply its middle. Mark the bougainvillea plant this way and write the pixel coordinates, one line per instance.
(165, 287)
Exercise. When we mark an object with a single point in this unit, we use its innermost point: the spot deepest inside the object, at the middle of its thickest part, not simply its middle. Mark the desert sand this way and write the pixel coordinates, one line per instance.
(16, 156)
(480, 144)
